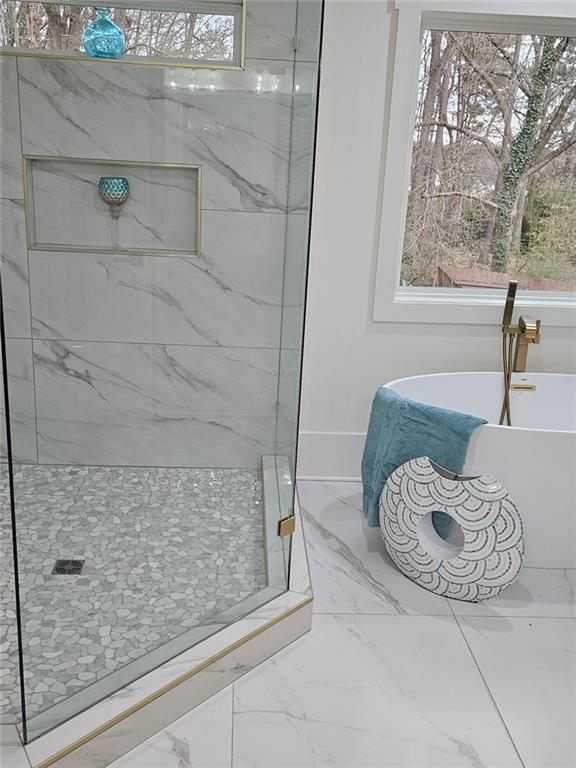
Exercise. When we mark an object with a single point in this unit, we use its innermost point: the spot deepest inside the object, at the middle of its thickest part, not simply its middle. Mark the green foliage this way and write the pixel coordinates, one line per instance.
(549, 233)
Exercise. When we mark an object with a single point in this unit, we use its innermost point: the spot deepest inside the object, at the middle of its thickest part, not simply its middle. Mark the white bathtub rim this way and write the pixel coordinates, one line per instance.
(395, 382)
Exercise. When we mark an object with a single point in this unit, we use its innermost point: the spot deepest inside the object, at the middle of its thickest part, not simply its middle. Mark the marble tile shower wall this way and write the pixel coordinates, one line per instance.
(145, 360)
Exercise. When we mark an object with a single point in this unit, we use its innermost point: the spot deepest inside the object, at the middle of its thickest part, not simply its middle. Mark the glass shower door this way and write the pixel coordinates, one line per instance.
(152, 352)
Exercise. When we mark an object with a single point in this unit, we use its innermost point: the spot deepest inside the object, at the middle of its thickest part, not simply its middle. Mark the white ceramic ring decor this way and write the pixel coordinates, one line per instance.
(484, 551)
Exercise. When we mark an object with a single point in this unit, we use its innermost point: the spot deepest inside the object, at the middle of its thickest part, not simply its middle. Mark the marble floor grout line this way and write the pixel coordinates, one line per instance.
(380, 613)
(232, 727)
(488, 689)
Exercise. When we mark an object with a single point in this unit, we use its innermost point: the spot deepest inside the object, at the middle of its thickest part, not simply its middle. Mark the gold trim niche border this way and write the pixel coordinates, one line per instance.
(32, 245)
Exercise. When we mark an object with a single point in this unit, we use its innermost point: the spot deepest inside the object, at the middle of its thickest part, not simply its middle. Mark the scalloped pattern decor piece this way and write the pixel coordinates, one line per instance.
(489, 554)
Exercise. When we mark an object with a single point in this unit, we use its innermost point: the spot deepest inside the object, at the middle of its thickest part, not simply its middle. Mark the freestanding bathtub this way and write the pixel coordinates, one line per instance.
(535, 458)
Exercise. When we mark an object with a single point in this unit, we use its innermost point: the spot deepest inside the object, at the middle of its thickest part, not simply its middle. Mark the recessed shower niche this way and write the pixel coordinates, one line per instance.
(68, 208)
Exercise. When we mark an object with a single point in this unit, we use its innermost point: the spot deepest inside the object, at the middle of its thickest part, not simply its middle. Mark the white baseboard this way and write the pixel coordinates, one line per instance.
(330, 455)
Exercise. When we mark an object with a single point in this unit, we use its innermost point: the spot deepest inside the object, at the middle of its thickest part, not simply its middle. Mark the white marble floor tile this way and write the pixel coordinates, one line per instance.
(537, 592)
(530, 668)
(200, 739)
(351, 571)
(12, 754)
(370, 691)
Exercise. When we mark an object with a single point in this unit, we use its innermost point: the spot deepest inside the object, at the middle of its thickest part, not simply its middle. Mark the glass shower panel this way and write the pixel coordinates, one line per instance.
(301, 170)
(153, 349)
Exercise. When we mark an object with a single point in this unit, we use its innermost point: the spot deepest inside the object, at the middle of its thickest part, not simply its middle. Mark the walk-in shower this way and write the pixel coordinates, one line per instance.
(154, 237)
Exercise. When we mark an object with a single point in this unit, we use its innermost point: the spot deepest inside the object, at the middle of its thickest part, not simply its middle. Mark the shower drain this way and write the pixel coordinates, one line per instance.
(68, 567)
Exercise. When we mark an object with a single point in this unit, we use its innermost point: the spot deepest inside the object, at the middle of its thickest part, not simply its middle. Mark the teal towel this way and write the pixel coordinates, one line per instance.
(402, 429)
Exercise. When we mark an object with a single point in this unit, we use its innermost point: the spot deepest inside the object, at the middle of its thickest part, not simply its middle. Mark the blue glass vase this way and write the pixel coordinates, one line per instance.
(115, 191)
(102, 38)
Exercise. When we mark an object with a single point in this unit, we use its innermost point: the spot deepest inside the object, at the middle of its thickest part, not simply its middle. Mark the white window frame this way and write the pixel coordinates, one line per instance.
(393, 302)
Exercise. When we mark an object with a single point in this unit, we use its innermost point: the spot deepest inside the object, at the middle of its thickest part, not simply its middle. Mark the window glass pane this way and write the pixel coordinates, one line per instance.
(149, 32)
(493, 174)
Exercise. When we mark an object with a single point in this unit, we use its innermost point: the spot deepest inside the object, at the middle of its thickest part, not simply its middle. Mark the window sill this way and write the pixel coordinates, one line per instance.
(456, 305)
(149, 61)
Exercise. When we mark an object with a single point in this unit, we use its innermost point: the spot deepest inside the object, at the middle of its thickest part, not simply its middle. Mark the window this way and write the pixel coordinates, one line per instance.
(493, 173)
(194, 32)
(484, 110)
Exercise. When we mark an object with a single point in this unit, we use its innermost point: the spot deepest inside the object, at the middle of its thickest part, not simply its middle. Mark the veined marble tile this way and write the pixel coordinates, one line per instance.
(14, 267)
(160, 213)
(289, 383)
(308, 30)
(537, 592)
(302, 138)
(351, 571)
(229, 297)
(294, 280)
(270, 29)
(288, 400)
(276, 561)
(12, 754)
(299, 569)
(236, 124)
(10, 148)
(530, 667)
(157, 405)
(22, 409)
(200, 739)
(370, 691)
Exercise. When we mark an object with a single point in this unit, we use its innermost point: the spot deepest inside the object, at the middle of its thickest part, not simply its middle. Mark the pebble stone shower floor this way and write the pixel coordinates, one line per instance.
(165, 549)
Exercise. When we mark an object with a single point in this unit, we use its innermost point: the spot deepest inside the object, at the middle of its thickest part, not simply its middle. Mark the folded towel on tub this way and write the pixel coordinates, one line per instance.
(401, 429)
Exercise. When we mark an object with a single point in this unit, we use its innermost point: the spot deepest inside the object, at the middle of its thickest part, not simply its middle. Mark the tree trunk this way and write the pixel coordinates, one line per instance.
(442, 112)
(521, 153)
(421, 152)
(504, 153)
(517, 218)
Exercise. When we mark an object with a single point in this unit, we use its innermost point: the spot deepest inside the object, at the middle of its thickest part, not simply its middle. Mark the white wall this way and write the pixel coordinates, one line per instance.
(347, 356)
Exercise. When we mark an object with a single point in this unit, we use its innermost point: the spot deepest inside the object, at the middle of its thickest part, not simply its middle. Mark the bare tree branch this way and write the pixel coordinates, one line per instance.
(555, 121)
(467, 132)
(481, 73)
(468, 195)
(522, 82)
(548, 157)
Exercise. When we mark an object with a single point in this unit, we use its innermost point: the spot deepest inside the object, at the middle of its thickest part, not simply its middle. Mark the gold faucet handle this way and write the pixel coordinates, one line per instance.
(530, 329)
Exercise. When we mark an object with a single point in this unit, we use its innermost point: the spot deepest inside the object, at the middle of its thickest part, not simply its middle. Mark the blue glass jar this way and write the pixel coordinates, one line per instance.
(115, 191)
(102, 38)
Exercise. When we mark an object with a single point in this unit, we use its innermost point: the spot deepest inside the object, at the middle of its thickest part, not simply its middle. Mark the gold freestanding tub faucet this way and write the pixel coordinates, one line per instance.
(528, 333)
(515, 341)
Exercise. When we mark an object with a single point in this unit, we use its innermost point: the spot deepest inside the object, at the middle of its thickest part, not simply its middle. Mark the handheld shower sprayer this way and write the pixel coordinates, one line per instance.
(509, 305)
